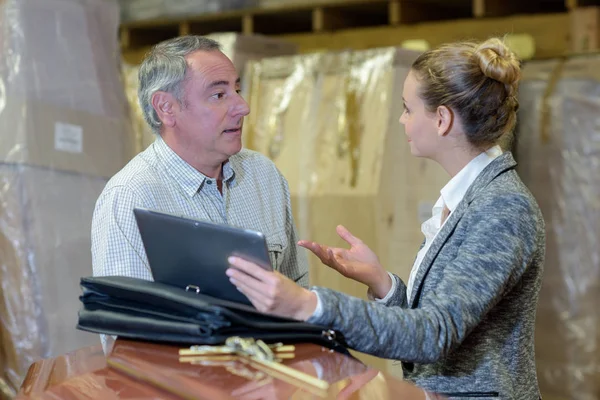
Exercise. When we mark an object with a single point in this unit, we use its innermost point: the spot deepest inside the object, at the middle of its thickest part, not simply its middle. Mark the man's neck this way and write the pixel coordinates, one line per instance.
(209, 168)
(214, 172)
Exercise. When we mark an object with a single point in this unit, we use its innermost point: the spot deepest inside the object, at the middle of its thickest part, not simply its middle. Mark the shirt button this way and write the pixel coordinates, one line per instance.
(209, 182)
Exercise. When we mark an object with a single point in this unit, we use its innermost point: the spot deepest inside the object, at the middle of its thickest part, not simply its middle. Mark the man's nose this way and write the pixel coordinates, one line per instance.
(241, 108)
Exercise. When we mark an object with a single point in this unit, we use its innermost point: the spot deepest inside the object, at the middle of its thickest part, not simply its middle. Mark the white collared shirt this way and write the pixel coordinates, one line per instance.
(451, 195)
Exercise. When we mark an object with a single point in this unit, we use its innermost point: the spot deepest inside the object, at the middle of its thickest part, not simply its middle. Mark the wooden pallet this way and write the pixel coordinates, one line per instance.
(327, 16)
(381, 21)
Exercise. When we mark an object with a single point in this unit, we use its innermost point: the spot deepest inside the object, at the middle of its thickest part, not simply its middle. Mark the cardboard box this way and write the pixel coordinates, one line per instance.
(44, 251)
(63, 131)
(558, 162)
(64, 103)
(41, 134)
(585, 29)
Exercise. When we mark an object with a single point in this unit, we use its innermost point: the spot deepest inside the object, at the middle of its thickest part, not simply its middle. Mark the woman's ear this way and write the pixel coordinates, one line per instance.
(445, 120)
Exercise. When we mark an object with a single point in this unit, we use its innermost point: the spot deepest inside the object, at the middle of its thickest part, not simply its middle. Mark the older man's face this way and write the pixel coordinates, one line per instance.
(209, 122)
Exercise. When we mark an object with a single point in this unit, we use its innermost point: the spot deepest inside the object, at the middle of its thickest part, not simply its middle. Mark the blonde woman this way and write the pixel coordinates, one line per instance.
(463, 324)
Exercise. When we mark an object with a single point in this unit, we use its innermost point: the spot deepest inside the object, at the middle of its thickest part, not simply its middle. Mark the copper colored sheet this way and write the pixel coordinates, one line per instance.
(136, 370)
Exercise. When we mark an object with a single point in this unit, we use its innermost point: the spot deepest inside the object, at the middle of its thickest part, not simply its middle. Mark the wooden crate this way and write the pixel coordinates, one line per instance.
(558, 162)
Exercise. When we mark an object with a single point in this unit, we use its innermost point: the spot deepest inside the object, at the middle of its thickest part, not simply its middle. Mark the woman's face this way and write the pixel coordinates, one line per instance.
(421, 126)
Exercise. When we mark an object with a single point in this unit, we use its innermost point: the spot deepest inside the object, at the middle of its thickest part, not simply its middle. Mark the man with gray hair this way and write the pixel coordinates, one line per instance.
(189, 92)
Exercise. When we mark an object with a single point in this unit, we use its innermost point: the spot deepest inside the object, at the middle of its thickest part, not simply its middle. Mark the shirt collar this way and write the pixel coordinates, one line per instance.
(456, 188)
(189, 178)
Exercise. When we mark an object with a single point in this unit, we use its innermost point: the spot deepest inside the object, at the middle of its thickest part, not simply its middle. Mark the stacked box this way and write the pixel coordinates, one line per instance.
(559, 157)
(63, 133)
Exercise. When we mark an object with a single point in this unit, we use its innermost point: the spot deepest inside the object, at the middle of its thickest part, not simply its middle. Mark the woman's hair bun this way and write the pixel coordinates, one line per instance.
(498, 62)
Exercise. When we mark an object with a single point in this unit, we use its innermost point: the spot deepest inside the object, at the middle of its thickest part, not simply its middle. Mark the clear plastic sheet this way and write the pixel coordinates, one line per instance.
(143, 134)
(329, 121)
(63, 132)
(559, 159)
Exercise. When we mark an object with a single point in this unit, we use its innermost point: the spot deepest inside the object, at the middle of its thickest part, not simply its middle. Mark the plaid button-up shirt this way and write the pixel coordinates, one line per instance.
(255, 196)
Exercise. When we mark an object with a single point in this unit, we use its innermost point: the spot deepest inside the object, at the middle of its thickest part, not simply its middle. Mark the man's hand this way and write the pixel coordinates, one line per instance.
(271, 292)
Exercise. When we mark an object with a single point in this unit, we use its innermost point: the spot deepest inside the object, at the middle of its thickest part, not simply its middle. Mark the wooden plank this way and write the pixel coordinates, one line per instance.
(365, 24)
(248, 24)
(585, 29)
(206, 26)
(145, 36)
(549, 31)
(184, 28)
(283, 21)
(572, 4)
(498, 8)
(478, 8)
(323, 21)
(414, 11)
(335, 18)
(306, 17)
(124, 40)
(394, 12)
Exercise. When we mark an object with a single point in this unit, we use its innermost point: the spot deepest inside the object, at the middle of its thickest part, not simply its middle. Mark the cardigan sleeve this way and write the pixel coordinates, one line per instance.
(499, 244)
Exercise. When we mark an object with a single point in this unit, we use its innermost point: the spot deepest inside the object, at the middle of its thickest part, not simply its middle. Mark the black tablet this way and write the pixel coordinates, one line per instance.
(192, 254)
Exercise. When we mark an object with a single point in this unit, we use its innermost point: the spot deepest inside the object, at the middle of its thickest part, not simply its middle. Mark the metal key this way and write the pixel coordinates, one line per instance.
(260, 356)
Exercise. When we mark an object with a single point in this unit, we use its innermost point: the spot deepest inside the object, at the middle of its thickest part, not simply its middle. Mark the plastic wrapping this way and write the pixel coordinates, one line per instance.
(330, 123)
(559, 159)
(239, 48)
(63, 132)
(143, 135)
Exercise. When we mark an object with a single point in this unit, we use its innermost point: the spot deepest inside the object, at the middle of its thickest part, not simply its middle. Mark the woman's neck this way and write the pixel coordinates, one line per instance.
(454, 161)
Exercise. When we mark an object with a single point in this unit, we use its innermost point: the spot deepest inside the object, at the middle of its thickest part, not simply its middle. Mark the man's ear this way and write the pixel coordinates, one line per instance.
(164, 103)
(445, 120)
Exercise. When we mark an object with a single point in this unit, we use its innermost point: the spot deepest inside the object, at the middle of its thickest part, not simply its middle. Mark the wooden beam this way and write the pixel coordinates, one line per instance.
(124, 38)
(411, 11)
(499, 8)
(184, 28)
(247, 24)
(318, 20)
(572, 4)
(331, 19)
(394, 12)
(549, 31)
(478, 8)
